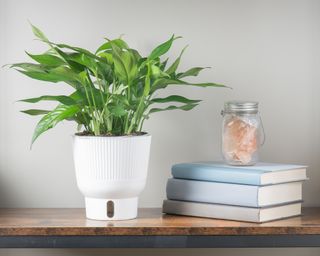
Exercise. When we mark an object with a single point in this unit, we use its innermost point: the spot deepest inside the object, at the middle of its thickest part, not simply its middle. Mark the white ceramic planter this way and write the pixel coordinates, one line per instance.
(111, 173)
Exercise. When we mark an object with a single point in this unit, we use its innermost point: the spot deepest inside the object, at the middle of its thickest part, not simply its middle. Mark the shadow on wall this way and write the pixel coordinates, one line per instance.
(5, 196)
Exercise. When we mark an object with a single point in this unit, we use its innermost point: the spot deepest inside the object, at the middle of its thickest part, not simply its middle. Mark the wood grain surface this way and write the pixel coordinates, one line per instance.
(65, 222)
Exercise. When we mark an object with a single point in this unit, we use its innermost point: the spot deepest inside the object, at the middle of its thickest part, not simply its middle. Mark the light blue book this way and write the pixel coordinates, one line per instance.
(259, 174)
(233, 194)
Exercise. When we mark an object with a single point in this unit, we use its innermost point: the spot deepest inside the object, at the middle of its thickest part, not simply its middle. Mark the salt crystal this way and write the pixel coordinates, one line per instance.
(240, 140)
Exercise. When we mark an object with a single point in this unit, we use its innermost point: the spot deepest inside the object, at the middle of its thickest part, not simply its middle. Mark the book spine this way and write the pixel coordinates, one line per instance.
(212, 192)
(196, 172)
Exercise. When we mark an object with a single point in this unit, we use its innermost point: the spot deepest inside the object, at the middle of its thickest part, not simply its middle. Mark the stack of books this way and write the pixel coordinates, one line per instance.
(258, 193)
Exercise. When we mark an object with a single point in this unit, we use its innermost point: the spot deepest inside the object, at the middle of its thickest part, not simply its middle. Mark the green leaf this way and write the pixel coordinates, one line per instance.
(203, 84)
(174, 98)
(163, 64)
(120, 89)
(67, 57)
(191, 72)
(184, 107)
(108, 45)
(120, 67)
(55, 116)
(118, 110)
(35, 112)
(176, 63)
(164, 82)
(146, 90)
(162, 48)
(147, 82)
(60, 98)
(80, 119)
(155, 71)
(38, 33)
(65, 74)
(45, 73)
(136, 54)
(84, 60)
(77, 49)
(125, 64)
(77, 97)
(107, 56)
(106, 71)
(130, 64)
(59, 74)
(47, 59)
(93, 93)
(41, 76)
(29, 67)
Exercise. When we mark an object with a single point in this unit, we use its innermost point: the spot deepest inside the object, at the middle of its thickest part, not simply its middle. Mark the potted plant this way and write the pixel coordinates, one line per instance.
(113, 94)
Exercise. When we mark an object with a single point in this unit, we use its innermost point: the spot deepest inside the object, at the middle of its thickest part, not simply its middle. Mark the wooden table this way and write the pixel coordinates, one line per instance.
(68, 228)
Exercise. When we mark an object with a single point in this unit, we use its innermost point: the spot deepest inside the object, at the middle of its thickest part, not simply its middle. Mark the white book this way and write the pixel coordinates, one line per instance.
(230, 212)
(233, 194)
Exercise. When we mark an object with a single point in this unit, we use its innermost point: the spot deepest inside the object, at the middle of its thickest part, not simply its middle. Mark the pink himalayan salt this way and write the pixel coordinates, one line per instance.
(240, 141)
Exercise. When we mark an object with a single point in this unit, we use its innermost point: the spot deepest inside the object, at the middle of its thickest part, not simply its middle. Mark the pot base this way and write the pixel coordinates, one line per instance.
(111, 209)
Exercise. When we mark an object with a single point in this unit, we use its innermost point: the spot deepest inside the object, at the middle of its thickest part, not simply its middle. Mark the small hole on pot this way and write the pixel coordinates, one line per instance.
(110, 209)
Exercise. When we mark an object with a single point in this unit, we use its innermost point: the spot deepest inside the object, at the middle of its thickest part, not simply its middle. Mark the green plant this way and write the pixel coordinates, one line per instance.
(114, 87)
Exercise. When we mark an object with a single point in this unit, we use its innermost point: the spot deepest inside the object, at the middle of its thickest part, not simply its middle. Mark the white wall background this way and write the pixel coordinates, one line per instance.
(266, 50)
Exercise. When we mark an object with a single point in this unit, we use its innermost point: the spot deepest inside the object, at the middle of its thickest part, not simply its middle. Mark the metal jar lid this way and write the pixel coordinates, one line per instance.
(250, 107)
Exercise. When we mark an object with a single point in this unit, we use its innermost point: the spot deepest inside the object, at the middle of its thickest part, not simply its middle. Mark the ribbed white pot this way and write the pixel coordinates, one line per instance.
(111, 173)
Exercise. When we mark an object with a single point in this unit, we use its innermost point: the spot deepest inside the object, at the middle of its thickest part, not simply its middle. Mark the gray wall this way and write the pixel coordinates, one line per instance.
(266, 50)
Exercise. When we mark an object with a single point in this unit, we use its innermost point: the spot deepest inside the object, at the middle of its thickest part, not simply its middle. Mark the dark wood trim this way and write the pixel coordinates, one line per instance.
(260, 241)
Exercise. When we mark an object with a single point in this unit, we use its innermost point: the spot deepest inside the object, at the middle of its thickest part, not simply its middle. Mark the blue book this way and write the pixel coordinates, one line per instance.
(259, 174)
(233, 194)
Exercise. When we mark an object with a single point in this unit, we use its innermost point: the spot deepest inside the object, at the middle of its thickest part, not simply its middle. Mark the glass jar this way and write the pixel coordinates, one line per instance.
(242, 132)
